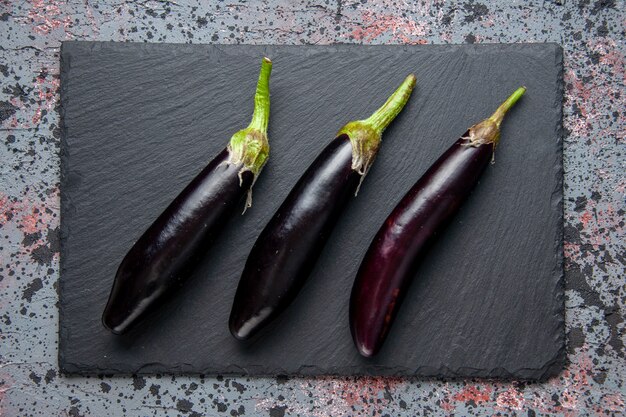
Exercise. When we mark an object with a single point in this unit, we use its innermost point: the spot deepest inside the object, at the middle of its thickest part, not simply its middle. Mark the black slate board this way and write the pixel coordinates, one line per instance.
(140, 120)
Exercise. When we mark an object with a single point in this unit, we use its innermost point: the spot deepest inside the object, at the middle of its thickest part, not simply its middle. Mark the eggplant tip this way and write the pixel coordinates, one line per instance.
(244, 329)
(240, 332)
(238, 335)
(116, 330)
(116, 324)
(365, 350)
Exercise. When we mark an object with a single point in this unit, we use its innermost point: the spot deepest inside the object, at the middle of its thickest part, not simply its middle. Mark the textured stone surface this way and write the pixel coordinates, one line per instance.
(141, 120)
(591, 32)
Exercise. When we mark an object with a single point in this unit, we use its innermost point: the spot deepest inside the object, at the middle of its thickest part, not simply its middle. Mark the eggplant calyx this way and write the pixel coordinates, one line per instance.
(249, 148)
(483, 133)
(365, 142)
(488, 131)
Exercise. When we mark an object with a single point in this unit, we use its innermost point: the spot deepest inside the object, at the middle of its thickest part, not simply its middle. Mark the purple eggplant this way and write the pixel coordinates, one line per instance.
(393, 256)
(166, 254)
(288, 247)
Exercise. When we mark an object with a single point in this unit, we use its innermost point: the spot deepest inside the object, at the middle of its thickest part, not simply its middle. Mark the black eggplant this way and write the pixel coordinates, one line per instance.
(392, 258)
(165, 255)
(288, 247)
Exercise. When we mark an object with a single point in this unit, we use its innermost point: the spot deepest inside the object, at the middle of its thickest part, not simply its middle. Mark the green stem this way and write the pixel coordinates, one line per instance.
(365, 135)
(394, 104)
(250, 146)
(499, 114)
(261, 114)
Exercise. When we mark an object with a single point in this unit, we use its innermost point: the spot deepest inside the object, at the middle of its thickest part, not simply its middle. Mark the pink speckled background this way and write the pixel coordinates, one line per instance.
(592, 35)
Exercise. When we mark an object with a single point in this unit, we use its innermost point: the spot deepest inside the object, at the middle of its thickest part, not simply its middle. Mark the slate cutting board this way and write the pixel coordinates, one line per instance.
(140, 120)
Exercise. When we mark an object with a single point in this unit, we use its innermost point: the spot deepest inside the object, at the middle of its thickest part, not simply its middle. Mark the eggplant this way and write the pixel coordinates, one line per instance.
(392, 258)
(288, 247)
(169, 250)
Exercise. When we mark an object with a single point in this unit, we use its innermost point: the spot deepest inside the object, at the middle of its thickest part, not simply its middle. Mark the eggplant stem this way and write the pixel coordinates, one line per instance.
(261, 114)
(394, 104)
(499, 114)
(365, 135)
(250, 147)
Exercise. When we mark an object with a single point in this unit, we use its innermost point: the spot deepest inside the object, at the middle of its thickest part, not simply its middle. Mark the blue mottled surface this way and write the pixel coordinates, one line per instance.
(592, 35)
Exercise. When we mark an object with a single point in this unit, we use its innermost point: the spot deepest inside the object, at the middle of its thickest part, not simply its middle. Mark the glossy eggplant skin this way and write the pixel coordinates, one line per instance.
(286, 250)
(394, 254)
(172, 246)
